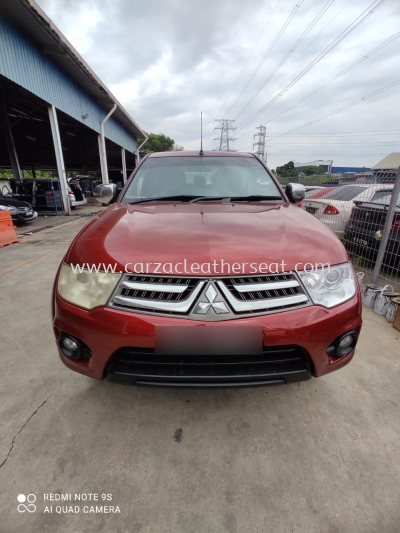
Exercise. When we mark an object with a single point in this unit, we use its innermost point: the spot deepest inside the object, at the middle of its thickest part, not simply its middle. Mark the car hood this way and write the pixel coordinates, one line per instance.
(4, 200)
(202, 233)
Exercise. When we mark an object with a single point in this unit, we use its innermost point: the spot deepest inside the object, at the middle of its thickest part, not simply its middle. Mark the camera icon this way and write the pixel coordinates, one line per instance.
(26, 503)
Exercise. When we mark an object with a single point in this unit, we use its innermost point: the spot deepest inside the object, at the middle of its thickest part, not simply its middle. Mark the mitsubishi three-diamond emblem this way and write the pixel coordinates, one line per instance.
(211, 294)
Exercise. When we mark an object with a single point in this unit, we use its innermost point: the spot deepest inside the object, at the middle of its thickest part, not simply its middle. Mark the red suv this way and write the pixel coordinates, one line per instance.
(205, 273)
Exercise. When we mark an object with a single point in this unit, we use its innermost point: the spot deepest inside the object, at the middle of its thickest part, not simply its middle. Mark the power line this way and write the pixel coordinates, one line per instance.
(350, 67)
(291, 50)
(294, 60)
(248, 59)
(323, 154)
(266, 55)
(359, 20)
(367, 133)
(251, 53)
(338, 144)
(326, 135)
(367, 97)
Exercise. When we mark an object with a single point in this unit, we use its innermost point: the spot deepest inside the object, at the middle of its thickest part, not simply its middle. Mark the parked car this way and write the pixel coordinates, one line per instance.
(311, 190)
(78, 197)
(20, 212)
(334, 208)
(315, 192)
(365, 229)
(45, 194)
(177, 282)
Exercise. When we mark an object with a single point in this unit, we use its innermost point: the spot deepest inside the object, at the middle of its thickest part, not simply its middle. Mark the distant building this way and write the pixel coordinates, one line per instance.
(343, 170)
(326, 165)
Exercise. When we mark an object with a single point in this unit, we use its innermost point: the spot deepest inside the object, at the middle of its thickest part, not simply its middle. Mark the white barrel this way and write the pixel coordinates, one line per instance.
(382, 300)
(369, 295)
(392, 309)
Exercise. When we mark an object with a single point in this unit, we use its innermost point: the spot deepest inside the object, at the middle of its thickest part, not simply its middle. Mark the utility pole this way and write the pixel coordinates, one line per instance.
(225, 139)
(387, 228)
(259, 143)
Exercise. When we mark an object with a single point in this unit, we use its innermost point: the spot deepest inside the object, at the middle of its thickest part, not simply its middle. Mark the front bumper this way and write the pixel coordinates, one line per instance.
(22, 217)
(77, 203)
(109, 332)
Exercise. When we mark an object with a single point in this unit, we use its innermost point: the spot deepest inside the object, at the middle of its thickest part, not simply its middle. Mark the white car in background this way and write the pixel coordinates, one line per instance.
(334, 208)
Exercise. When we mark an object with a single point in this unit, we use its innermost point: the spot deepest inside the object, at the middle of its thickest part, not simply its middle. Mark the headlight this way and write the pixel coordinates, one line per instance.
(8, 208)
(330, 286)
(86, 289)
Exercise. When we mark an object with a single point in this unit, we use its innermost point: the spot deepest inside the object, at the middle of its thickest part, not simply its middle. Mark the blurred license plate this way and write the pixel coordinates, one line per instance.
(311, 210)
(208, 340)
(360, 241)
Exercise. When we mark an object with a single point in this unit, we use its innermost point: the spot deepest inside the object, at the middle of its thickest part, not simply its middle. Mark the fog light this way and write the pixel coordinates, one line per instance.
(346, 341)
(343, 345)
(70, 344)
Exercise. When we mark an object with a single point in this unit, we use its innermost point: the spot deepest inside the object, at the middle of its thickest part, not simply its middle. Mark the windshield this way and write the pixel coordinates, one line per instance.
(208, 177)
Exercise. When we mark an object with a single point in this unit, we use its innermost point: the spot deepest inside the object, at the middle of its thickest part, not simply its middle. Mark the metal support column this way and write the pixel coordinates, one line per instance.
(123, 165)
(59, 158)
(387, 228)
(103, 172)
(103, 153)
(12, 153)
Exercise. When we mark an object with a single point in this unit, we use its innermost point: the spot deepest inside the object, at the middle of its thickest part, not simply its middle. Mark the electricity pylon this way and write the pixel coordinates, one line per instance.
(225, 139)
(260, 144)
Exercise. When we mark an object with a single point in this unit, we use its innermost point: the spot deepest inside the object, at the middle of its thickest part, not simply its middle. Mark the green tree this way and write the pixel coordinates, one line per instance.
(314, 171)
(287, 170)
(158, 142)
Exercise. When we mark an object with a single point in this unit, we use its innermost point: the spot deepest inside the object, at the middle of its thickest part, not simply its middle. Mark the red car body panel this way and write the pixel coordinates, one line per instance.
(202, 233)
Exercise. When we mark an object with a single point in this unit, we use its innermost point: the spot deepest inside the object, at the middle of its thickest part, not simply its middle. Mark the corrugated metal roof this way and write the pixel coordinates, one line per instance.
(32, 21)
(390, 162)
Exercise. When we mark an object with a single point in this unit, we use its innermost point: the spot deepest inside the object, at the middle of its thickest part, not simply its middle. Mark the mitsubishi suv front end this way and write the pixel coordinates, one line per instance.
(203, 272)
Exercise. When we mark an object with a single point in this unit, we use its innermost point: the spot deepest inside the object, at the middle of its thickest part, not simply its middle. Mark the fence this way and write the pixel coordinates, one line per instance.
(366, 217)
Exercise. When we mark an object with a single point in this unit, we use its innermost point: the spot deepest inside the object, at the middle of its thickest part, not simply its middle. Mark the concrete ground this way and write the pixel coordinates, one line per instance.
(321, 456)
(48, 221)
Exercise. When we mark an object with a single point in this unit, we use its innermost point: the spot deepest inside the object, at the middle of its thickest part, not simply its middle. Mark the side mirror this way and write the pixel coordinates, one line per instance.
(106, 193)
(295, 192)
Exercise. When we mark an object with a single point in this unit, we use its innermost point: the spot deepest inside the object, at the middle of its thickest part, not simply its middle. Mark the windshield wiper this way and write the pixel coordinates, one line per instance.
(193, 198)
(253, 198)
(206, 198)
(175, 197)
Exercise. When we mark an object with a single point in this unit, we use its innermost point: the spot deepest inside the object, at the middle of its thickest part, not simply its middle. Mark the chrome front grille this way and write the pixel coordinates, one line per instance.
(262, 292)
(209, 299)
(157, 288)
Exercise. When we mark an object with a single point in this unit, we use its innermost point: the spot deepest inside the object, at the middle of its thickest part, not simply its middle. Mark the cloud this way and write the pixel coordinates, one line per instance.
(168, 60)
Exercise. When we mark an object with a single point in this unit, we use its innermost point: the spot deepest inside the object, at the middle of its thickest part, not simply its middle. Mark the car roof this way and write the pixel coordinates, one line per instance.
(197, 154)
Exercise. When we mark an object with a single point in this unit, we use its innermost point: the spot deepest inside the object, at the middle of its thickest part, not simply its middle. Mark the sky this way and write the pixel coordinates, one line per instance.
(250, 61)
